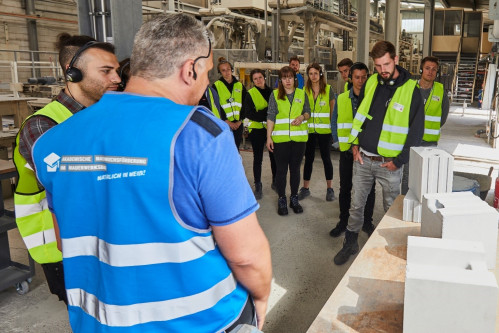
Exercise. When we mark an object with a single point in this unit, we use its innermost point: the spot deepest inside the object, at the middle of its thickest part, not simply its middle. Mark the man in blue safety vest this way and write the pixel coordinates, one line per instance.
(142, 185)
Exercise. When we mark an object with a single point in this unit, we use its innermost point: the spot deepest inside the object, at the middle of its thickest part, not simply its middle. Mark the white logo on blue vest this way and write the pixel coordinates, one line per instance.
(53, 160)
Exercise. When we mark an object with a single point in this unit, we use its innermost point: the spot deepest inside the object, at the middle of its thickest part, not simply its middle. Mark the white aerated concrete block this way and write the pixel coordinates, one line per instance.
(443, 299)
(430, 171)
(412, 208)
(444, 252)
(461, 216)
(448, 287)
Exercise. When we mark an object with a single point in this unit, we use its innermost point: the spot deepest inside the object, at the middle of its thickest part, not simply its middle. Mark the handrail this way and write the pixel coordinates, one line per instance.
(456, 70)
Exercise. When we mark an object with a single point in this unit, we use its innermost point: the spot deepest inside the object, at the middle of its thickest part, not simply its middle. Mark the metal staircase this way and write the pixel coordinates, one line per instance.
(465, 79)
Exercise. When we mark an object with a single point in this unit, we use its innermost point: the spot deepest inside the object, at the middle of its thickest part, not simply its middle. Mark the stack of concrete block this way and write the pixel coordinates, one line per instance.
(461, 216)
(430, 171)
(448, 287)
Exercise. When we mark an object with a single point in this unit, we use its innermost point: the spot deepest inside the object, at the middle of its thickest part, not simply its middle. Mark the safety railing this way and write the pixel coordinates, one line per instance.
(17, 66)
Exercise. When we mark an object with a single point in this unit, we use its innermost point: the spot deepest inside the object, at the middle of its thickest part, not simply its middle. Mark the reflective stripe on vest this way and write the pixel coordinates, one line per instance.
(231, 102)
(214, 108)
(132, 241)
(345, 119)
(320, 118)
(283, 130)
(396, 122)
(433, 113)
(260, 104)
(142, 313)
(33, 218)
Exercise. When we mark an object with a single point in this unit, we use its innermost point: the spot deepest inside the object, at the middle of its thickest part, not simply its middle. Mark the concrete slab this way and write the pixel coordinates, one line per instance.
(444, 252)
(444, 299)
(412, 208)
(449, 216)
(430, 171)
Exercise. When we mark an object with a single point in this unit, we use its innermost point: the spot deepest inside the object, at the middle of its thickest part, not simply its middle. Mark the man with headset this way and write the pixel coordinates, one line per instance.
(163, 245)
(90, 70)
(436, 108)
(341, 123)
(389, 120)
(344, 69)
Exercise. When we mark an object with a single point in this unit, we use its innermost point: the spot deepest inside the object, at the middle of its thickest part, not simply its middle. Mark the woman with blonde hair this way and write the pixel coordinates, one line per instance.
(287, 135)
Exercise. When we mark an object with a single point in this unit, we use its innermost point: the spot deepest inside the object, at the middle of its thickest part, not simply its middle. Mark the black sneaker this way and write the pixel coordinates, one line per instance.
(258, 191)
(303, 193)
(368, 228)
(330, 195)
(282, 206)
(295, 204)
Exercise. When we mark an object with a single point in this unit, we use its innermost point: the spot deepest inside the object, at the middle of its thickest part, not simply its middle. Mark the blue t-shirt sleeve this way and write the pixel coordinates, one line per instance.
(224, 190)
(210, 186)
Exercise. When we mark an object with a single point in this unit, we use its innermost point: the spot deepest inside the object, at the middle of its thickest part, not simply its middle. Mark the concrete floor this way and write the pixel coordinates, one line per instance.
(302, 250)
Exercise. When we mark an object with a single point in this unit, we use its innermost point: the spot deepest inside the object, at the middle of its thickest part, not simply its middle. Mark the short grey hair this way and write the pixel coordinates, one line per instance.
(164, 43)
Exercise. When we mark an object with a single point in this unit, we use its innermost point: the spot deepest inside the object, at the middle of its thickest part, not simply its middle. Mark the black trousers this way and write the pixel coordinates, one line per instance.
(54, 273)
(324, 141)
(288, 155)
(345, 198)
(258, 139)
(238, 135)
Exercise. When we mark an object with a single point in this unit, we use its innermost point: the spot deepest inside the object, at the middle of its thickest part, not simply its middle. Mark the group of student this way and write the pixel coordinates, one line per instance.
(293, 118)
(217, 271)
(289, 120)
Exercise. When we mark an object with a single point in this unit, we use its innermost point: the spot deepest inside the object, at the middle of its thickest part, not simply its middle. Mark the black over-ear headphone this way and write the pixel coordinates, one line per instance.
(390, 83)
(357, 66)
(74, 74)
(123, 76)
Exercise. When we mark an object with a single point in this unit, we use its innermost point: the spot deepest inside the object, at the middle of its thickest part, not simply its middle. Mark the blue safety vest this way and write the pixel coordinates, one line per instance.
(131, 264)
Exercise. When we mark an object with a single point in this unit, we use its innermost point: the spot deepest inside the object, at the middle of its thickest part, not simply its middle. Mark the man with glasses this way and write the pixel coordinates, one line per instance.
(153, 240)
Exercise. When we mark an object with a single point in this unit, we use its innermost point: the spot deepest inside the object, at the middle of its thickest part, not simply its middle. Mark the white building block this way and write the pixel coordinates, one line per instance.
(461, 216)
(444, 252)
(412, 208)
(430, 171)
(443, 299)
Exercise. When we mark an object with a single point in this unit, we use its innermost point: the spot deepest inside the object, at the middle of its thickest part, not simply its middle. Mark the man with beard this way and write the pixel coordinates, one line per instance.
(389, 121)
(90, 70)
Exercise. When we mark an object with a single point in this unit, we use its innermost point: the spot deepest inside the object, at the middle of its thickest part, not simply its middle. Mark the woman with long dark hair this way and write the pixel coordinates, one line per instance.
(321, 98)
(287, 135)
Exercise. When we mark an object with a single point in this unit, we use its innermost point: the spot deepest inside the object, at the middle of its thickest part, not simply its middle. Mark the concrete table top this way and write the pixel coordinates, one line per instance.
(370, 297)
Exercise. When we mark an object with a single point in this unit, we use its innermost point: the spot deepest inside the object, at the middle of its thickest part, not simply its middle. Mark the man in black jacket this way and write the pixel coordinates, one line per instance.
(389, 121)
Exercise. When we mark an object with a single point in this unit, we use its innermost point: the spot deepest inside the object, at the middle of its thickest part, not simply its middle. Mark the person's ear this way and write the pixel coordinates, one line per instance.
(187, 73)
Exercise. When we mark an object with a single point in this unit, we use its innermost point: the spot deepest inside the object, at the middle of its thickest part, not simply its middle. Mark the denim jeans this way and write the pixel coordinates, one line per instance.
(363, 177)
